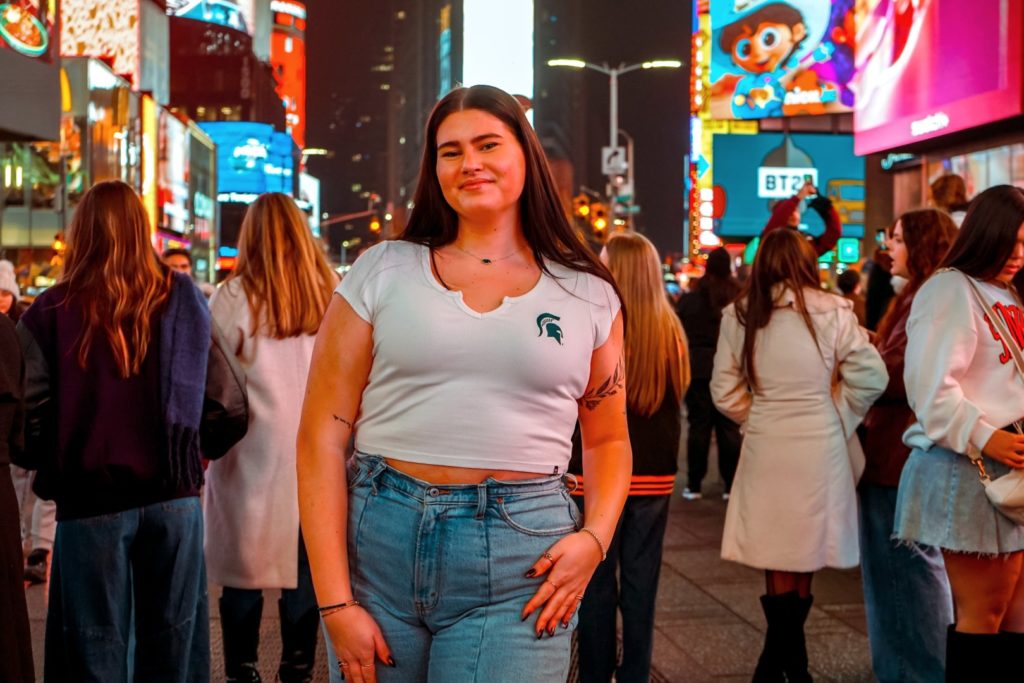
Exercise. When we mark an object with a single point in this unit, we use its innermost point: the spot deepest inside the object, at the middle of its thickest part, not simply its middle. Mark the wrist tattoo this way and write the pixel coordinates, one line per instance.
(611, 386)
(343, 421)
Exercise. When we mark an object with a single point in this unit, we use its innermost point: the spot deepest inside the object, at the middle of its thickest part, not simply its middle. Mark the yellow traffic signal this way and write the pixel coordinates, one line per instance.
(599, 217)
(58, 243)
(375, 224)
(581, 205)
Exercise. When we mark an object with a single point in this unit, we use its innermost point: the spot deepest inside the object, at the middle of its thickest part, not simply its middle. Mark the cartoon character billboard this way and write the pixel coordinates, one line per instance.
(773, 58)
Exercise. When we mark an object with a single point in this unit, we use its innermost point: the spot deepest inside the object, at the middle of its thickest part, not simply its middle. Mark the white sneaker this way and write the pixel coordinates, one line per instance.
(691, 495)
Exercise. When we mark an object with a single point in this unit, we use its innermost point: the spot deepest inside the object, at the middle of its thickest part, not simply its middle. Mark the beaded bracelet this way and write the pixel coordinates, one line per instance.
(604, 553)
(331, 609)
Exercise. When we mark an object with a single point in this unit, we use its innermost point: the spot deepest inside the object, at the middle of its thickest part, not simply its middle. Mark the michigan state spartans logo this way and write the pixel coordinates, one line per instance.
(546, 323)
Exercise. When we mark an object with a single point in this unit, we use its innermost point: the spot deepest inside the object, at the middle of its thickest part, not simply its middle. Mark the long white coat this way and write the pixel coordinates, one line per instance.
(793, 505)
(251, 502)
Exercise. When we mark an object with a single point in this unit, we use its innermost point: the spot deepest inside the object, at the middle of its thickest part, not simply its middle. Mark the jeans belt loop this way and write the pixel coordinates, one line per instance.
(481, 500)
(570, 481)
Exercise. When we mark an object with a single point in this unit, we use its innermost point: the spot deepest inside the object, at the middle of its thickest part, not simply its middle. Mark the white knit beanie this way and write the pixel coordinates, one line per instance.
(8, 282)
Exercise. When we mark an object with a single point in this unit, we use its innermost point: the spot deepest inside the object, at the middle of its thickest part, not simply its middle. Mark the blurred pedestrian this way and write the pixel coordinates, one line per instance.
(908, 636)
(116, 356)
(967, 394)
(848, 284)
(880, 289)
(949, 193)
(269, 310)
(16, 665)
(10, 293)
(462, 355)
(701, 313)
(793, 509)
(178, 259)
(658, 371)
(788, 213)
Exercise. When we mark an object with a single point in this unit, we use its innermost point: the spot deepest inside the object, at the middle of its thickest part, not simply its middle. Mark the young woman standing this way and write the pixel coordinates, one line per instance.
(269, 310)
(462, 356)
(908, 634)
(967, 395)
(793, 508)
(658, 371)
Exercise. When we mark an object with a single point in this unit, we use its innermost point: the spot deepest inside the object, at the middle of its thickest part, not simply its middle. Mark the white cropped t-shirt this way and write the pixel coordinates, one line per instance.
(451, 386)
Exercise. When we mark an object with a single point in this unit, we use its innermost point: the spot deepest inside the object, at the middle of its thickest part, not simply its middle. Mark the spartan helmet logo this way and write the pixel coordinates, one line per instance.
(546, 323)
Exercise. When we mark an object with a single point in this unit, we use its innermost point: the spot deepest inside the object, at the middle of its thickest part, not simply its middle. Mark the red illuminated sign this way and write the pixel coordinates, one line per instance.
(288, 57)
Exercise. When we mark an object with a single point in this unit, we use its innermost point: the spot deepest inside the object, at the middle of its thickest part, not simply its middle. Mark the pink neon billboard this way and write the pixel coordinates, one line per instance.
(927, 68)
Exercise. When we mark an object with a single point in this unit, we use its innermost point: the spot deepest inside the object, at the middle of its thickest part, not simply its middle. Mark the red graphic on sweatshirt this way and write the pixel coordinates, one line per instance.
(1013, 317)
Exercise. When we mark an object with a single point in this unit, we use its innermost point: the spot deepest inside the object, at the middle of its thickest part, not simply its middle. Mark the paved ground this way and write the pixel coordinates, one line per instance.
(709, 622)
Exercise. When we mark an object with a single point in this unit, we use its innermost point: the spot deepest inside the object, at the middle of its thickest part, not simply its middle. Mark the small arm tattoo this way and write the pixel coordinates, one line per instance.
(609, 387)
(343, 421)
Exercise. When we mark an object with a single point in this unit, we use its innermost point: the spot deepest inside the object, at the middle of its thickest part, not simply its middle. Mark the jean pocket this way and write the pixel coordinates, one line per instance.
(548, 515)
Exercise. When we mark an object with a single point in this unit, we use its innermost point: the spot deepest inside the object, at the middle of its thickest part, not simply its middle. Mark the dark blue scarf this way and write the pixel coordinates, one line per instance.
(184, 351)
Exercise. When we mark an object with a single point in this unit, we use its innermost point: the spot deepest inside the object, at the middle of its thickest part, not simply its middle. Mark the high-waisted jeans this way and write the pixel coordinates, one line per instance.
(441, 569)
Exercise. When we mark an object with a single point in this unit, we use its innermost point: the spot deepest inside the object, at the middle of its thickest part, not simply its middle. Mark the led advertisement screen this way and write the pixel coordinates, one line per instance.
(28, 27)
(772, 58)
(756, 171)
(252, 158)
(231, 13)
(108, 31)
(172, 189)
(932, 67)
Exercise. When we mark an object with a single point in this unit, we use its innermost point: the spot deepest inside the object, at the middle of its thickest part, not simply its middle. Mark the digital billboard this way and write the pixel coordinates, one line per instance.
(28, 27)
(772, 58)
(252, 158)
(172, 189)
(752, 172)
(107, 30)
(288, 58)
(932, 67)
(231, 13)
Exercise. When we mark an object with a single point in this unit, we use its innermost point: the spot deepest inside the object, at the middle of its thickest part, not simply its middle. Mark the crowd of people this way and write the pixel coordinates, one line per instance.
(465, 450)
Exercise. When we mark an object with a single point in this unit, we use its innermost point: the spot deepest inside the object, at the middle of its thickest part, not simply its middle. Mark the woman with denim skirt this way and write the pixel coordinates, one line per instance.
(967, 396)
(461, 356)
(906, 593)
(116, 355)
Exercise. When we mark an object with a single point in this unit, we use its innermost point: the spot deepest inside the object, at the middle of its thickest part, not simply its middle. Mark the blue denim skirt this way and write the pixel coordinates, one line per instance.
(942, 503)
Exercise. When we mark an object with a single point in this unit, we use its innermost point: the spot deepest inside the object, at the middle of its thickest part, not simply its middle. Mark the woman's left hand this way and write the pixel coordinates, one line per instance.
(569, 564)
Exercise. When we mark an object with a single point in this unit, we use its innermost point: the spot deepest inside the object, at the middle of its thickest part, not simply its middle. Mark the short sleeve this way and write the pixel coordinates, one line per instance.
(605, 306)
(356, 286)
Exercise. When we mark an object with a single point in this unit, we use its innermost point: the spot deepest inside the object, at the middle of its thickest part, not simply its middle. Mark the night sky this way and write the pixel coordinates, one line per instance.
(346, 38)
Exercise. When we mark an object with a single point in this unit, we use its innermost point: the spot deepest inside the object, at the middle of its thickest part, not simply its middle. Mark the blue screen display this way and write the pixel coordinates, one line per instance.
(747, 168)
(252, 158)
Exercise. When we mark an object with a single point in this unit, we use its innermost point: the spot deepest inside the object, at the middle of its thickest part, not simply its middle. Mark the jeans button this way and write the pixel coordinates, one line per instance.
(433, 492)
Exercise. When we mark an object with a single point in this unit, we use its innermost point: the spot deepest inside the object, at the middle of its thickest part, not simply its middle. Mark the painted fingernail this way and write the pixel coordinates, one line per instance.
(540, 635)
(523, 618)
(391, 662)
(551, 631)
(532, 573)
(565, 624)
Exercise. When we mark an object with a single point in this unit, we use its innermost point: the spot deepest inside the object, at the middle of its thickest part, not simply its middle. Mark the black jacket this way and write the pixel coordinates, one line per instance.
(12, 379)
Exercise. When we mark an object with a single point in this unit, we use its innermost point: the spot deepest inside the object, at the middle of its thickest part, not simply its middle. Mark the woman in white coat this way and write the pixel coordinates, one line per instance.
(269, 309)
(799, 374)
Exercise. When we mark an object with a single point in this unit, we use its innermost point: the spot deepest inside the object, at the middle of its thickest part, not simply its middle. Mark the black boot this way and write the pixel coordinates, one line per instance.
(794, 664)
(972, 657)
(298, 644)
(241, 632)
(769, 665)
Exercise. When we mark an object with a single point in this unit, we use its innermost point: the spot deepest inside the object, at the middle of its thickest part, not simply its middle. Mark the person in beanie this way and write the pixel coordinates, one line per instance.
(116, 355)
(10, 293)
(701, 314)
(793, 509)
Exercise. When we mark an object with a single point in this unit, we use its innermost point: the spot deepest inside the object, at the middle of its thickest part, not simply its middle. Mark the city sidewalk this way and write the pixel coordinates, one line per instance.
(709, 622)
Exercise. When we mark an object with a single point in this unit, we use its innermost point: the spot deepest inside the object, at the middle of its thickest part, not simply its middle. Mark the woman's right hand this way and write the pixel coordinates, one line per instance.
(358, 642)
(1007, 448)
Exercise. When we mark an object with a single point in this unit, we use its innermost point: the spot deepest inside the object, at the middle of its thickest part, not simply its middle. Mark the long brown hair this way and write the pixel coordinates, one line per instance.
(988, 236)
(656, 351)
(112, 272)
(927, 234)
(286, 278)
(545, 225)
(784, 257)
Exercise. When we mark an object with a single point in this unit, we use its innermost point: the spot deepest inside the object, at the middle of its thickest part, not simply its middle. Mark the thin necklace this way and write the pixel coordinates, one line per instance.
(487, 261)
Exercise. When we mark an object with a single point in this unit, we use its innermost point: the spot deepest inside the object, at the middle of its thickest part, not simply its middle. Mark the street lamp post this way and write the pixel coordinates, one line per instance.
(613, 74)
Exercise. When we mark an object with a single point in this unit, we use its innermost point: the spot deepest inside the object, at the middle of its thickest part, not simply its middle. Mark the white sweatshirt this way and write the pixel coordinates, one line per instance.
(961, 380)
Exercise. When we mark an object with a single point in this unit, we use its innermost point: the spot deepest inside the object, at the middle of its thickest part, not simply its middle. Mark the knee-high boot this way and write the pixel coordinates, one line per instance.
(794, 664)
(298, 644)
(769, 665)
(241, 632)
(974, 657)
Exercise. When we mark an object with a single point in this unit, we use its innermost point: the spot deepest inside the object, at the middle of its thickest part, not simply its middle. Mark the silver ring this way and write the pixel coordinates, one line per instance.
(547, 556)
(365, 666)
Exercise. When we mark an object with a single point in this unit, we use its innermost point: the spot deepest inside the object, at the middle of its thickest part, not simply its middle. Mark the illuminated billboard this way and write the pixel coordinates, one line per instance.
(252, 158)
(231, 13)
(288, 58)
(772, 58)
(502, 58)
(28, 27)
(107, 30)
(932, 67)
(172, 189)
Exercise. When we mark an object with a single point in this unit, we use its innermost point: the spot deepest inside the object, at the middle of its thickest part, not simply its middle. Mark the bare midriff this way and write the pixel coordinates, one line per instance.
(443, 474)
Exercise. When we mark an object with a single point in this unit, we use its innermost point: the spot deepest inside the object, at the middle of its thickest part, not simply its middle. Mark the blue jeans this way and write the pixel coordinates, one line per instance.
(441, 569)
(635, 552)
(144, 564)
(906, 596)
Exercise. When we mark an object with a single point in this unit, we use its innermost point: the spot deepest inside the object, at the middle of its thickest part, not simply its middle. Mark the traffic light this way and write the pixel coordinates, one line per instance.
(374, 224)
(581, 206)
(599, 217)
(58, 245)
